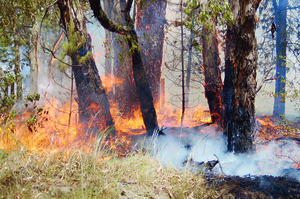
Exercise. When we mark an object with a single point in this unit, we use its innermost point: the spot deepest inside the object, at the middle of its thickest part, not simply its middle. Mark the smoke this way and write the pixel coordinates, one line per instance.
(276, 159)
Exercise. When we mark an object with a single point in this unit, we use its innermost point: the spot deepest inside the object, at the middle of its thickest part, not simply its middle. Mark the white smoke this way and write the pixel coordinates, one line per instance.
(272, 158)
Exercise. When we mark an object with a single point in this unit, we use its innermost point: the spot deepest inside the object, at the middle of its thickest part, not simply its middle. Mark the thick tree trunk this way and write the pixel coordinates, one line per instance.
(125, 94)
(150, 20)
(33, 57)
(281, 44)
(17, 69)
(143, 88)
(92, 99)
(212, 73)
(241, 125)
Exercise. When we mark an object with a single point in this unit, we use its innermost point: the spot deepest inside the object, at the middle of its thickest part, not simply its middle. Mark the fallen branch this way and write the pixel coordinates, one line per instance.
(220, 164)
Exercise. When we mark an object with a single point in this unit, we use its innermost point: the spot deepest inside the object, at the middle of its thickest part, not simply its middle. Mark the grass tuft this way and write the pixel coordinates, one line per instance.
(79, 174)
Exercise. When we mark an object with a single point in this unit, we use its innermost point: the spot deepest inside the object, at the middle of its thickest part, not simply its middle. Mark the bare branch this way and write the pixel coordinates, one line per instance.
(264, 80)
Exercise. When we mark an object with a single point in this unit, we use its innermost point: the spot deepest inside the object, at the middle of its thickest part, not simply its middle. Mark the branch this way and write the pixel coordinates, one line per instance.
(46, 11)
(107, 23)
(264, 80)
(128, 19)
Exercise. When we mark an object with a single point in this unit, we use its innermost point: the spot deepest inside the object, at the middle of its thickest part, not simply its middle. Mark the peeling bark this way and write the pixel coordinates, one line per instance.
(92, 99)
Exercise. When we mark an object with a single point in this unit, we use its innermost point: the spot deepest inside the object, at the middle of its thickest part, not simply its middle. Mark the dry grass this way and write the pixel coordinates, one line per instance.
(24, 174)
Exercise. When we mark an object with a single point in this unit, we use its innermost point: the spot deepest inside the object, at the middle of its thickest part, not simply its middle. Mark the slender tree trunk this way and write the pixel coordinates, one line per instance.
(33, 47)
(150, 22)
(189, 66)
(212, 73)
(108, 6)
(17, 69)
(92, 99)
(241, 125)
(12, 89)
(281, 44)
(142, 85)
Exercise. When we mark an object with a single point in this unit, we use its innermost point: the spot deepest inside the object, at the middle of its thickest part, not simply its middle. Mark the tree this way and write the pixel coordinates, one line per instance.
(130, 36)
(281, 46)
(11, 15)
(125, 94)
(241, 124)
(92, 99)
(208, 14)
(212, 73)
(150, 28)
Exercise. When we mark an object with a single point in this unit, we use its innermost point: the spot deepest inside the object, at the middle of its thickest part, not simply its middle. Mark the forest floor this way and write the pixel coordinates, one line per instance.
(138, 175)
(104, 173)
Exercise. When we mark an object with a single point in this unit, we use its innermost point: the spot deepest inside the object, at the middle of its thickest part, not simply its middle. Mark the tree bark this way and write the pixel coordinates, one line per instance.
(143, 88)
(150, 21)
(33, 57)
(108, 6)
(281, 44)
(241, 125)
(212, 73)
(17, 69)
(125, 94)
(92, 99)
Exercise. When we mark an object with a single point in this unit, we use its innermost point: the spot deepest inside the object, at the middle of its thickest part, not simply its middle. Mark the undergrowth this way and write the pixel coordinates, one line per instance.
(101, 174)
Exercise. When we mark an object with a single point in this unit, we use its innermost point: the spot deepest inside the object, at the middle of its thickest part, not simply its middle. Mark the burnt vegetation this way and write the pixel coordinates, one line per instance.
(65, 92)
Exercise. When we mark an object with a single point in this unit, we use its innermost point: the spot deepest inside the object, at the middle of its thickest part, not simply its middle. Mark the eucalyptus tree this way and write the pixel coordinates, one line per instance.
(241, 124)
(130, 36)
(93, 103)
(150, 23)
(125, 94)
(279, 45)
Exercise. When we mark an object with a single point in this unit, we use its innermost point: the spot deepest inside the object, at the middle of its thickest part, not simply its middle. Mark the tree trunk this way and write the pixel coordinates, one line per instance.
(108, 6)
(212, 73)
(92, 99)
(189, 65)
(143, 88)
(17, 69)
(229, 71)
(125, 94)
(281, 44)
(241, 125)
(33, 57)
(150, 22)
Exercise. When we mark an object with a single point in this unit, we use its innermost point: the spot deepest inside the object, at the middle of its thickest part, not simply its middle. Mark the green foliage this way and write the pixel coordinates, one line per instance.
(71, 47)
(7, 102)
(203, 12)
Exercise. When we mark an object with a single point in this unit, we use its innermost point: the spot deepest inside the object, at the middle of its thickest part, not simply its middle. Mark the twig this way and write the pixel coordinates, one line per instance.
(220, 165)
(264, 80)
